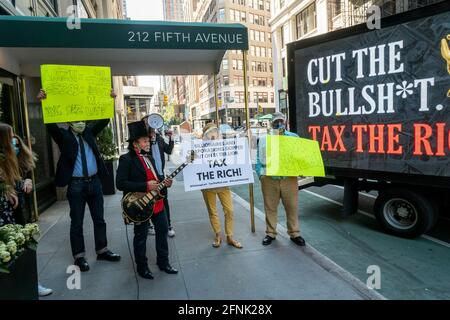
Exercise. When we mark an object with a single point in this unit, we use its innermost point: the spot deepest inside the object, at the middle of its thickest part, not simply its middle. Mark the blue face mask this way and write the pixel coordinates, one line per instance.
(15, 145)
(279, 126)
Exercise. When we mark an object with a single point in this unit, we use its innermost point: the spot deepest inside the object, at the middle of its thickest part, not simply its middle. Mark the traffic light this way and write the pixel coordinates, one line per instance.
(165, 100)
(219, 103)
(260, 109)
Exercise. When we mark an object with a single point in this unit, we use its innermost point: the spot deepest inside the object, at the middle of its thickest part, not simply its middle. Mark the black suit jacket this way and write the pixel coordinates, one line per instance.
(68, 145)
(131, 176)
(164, 148)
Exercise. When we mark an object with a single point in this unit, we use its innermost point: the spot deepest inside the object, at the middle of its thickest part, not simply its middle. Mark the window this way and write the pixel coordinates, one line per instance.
(237, 64)
(259, 66)
(261, 82)
(306, 20)
(272, 97)
(221, 14)
(268, 6)
(227, 96)
(269, 52)
(261, 4)
(225, 64)
(239, 80)
(281, 3)
(226, 80)
(260, 97)
(282, 36)
(283, 65)
(252, 34)
(239, 97)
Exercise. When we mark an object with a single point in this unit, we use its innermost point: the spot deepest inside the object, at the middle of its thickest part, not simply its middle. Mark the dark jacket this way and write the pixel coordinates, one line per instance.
(131, 176)
(68, 146)
(164, 148)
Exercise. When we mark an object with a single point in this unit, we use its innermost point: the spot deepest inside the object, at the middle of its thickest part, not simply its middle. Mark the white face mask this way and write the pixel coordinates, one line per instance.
(78, 127)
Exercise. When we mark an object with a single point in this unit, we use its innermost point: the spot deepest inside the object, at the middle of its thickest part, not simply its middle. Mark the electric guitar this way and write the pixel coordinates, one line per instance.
(137, 207)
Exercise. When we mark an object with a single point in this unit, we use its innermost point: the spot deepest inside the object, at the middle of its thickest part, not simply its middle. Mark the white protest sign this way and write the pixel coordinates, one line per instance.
(218, 163)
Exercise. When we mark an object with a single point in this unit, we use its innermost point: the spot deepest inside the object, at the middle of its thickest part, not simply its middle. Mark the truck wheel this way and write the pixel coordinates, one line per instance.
(405, 213)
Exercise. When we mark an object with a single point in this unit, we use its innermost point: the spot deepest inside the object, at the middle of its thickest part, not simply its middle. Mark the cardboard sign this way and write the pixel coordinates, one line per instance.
(76, 93)
(292, 157)
(219, 163)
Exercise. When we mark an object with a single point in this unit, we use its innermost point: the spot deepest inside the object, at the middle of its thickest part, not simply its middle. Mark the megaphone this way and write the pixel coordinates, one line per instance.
(155, 121)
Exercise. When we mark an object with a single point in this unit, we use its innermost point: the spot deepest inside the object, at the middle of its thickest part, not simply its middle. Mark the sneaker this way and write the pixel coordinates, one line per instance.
(151, 230)
(43, 291)
(171, 232)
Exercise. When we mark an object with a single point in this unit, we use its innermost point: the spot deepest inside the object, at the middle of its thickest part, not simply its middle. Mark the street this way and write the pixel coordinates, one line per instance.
(410, 269)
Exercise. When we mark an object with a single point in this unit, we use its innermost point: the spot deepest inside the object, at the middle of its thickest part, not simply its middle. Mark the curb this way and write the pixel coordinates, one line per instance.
(322, 260)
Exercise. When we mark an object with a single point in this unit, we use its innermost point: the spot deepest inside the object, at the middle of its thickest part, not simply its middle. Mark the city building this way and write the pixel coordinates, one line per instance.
(299, 19)
(255, 15)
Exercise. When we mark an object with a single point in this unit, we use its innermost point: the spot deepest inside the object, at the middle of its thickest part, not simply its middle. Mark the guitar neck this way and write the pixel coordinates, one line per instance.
(172, 175)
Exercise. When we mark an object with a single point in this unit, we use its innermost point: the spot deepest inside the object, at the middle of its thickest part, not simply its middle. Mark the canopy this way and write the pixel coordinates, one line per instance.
(265, 117)
(128, 47)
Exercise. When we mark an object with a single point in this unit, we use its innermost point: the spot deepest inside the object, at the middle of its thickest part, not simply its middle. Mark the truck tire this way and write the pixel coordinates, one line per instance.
(405, 213)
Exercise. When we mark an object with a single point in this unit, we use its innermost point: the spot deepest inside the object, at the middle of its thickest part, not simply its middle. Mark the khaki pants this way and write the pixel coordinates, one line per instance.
(226, 200)
(287, 190)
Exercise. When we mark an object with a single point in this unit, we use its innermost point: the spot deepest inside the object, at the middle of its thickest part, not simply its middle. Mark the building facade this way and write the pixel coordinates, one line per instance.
(299, 19)
(255, 14)
(18, 103)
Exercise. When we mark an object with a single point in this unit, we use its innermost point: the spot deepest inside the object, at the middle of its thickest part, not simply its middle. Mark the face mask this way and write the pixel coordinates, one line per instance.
(78, 127)
(15, 145)
(279, 126)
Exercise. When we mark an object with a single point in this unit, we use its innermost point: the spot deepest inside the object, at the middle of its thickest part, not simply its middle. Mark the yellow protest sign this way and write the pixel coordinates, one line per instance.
(291, 157)
(76, 93)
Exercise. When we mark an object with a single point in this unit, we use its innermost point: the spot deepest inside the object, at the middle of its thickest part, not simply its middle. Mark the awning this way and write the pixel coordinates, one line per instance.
(128, 47)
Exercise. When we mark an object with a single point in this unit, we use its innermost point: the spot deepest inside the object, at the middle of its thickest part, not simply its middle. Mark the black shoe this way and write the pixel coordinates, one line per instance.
(168, 269)
(109, 256)
(267, 240)
(146, 274)
(82, 264)
(298, 241)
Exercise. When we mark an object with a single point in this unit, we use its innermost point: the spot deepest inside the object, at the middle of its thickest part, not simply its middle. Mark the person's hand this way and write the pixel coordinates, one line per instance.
(169, 133)
(14, 200)
(113, 94)
(152, 185)
(168, 183)
(42, 95)
(27, 186)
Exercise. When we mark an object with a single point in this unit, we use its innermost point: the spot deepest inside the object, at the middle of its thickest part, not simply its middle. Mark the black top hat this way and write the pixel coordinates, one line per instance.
(136, 130)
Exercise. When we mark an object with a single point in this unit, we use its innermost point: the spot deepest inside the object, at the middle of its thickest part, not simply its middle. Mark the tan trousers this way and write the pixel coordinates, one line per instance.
(287, 190)
(226, 200)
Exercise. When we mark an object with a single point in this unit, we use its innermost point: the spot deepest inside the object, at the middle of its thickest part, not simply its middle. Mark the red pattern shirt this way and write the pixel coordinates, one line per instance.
(159, 205)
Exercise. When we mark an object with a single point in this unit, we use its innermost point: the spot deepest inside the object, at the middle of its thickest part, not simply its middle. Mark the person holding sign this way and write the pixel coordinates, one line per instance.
(136, 173)
(80, 167)
(210, 132)
(275, 188)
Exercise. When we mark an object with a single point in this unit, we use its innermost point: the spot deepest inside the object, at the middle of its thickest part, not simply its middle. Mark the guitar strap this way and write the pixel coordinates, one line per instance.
(148, 162)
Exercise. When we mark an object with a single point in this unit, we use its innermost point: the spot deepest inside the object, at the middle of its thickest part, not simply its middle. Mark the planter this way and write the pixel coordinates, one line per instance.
(109, 182)
(21, 283)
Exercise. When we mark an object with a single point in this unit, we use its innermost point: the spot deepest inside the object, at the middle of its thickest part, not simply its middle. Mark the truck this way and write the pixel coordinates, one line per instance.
(377, 100)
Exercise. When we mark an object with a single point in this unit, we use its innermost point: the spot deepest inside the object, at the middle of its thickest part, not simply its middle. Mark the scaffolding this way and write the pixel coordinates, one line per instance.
(346, 13)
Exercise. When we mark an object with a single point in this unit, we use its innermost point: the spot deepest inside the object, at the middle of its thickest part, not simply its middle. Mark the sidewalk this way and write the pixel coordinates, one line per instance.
(279, 271)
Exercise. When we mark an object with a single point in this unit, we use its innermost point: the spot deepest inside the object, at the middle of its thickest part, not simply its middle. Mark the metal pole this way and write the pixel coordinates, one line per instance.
(27, 132)
(249, 135)
(216, 99)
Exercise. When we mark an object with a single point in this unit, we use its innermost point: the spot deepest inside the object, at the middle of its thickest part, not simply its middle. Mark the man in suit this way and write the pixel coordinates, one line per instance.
(158, 146)
(136, 173)
(80, 167)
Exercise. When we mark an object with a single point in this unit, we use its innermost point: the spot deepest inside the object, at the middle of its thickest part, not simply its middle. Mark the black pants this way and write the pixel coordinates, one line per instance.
(140, 242)
(80, 192)
(167, 208)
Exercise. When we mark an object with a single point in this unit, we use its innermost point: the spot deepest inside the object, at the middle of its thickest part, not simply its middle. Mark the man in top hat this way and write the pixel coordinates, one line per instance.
(136, 173)
(276, 188)
(158, 146)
